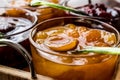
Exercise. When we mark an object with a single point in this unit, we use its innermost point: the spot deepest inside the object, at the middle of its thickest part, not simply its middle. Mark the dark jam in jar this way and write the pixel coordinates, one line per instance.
(11, 26)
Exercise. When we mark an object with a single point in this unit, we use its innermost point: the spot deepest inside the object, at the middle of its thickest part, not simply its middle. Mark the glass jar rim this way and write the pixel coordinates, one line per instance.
(72, 55)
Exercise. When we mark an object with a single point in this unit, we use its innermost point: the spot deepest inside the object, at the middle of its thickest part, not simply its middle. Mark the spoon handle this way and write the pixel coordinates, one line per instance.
(23, 52)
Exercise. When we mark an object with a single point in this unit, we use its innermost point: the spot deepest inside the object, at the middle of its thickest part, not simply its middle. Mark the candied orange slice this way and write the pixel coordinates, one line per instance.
(93, 35)
(60, 43)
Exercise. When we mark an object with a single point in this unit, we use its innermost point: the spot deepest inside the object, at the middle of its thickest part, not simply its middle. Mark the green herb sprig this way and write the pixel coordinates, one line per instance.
(99, 50)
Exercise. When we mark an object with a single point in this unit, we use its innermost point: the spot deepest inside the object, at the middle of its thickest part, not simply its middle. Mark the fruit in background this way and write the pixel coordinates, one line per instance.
(99, 10)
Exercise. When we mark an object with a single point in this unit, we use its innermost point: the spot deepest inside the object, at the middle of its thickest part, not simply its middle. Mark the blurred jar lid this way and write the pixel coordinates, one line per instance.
(117, 1)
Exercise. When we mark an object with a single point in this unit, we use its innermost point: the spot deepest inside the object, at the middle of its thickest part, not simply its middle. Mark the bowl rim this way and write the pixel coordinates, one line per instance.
(56, 53)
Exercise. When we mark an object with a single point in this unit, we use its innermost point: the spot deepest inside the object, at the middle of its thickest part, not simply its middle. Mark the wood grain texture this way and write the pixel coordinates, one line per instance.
(7, 73)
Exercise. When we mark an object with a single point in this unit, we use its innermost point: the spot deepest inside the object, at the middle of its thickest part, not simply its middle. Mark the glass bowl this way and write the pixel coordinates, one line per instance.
(58, 63)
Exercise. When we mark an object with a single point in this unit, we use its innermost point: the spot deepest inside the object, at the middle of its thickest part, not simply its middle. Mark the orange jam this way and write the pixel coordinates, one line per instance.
(66, 66)
(73, 37)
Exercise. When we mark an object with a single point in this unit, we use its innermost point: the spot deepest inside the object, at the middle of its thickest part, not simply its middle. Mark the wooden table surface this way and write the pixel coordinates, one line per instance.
(7, 73)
